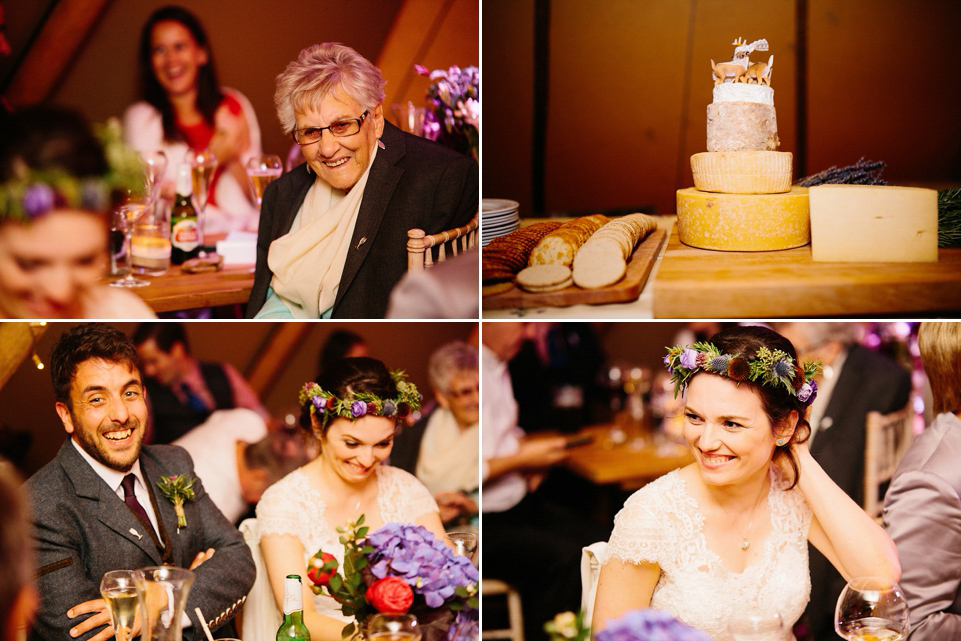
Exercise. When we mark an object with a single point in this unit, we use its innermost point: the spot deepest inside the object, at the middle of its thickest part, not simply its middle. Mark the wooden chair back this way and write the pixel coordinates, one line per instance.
(515, 631)
(888, 438)
(421, 252)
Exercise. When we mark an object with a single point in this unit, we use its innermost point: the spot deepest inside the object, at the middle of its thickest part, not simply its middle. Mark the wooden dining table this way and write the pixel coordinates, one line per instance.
(178, 290)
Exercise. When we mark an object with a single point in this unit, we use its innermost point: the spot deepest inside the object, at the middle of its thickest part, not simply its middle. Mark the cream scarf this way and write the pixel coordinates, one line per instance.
(448, 457)
(307, 263)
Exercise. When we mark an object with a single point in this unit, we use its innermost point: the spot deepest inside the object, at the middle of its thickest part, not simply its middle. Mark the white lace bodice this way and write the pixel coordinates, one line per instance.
(293, 506)
(661, 524)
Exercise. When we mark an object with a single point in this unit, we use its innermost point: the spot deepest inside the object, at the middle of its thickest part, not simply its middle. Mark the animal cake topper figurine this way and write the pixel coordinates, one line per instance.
(740, 69)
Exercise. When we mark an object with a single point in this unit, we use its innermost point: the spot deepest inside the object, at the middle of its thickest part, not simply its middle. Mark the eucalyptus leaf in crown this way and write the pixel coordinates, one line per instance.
(325, 405)
(772, 368)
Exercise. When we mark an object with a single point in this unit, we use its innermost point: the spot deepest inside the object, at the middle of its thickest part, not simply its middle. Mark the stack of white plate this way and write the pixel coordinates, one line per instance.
(498, 218)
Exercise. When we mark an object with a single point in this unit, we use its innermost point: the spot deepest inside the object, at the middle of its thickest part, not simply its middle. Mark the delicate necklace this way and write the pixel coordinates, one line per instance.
(747, 544)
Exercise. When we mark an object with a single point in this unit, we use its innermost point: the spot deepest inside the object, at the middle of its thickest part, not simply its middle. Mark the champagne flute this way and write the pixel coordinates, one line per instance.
(756, 625)
(130, 212)
(119, 589)
(263, 170)
(386, 627)
(463, 543)
(871, 609)
(156, 163)
(203, 165)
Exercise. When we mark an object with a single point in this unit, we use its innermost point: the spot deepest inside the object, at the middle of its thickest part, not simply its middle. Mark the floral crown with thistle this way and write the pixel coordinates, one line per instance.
(31, 194)
(325, 405)
(771, 368)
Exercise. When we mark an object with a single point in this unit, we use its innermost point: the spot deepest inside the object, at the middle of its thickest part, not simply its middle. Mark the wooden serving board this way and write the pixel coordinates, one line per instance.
(627, 289)
(700, 283)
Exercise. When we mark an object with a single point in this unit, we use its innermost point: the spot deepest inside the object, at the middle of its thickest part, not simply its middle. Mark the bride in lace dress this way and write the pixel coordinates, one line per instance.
(299, 514)
(728, 534)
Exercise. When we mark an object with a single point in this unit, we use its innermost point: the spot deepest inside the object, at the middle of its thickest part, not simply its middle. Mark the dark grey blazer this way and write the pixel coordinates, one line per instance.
(413, 183)
(82, 530)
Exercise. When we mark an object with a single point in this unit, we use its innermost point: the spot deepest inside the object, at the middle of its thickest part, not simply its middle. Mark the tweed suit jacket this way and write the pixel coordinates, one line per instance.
(83, 530)
(413, 182)
(922, 513)
(868, 381)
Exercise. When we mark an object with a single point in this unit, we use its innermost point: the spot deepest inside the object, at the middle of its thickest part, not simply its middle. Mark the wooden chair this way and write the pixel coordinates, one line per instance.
(493, 587)
(888, 438)
(419, 244)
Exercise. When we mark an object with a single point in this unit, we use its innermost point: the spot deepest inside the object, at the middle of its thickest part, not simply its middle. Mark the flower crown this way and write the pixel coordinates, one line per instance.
(771, 368)
(325, 405)
(31, 194)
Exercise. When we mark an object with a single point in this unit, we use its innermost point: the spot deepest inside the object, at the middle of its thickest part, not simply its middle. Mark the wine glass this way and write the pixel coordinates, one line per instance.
(203, 164)
(756, 625)
(156, 164)
(871, 608)
(388, 627)
(263, 170)
(463, 543)
(119, 589)
(130, 212)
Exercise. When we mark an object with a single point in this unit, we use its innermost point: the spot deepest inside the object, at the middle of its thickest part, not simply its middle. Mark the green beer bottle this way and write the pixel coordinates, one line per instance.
(184, 228)
(293, 626)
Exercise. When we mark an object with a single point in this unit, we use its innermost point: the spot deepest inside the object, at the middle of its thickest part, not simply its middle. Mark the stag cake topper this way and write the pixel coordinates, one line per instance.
(740, 68)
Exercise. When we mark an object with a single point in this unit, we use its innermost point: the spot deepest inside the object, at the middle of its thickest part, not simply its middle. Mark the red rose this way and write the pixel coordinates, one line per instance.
(391, 596)
(321, 568)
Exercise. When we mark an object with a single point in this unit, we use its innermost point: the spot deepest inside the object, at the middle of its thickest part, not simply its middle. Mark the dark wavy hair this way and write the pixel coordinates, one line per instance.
(352, 376)
(777, 403)
(209, 95)
(47, 137)
(81, 344)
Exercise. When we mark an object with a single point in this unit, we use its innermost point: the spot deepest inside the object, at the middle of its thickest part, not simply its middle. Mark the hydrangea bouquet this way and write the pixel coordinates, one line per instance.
(453, 112)
(396, 570)
(639, 625)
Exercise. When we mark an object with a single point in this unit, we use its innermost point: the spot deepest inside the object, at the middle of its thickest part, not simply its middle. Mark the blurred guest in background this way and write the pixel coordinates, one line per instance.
(182, 391)
(342, 343)
(56, 187)
(530, 543)
(922, 507)
(449, 289)
(333, 232)
(18, 594)
(184, 107)
(855, 380)
(441, 449)
(248, 460)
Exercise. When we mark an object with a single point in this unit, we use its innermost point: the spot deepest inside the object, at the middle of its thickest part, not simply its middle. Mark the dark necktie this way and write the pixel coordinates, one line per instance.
(131, 499)
(194, 402)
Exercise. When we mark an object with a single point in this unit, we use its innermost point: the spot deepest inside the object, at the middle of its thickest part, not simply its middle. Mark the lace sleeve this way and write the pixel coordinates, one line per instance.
(278, 511)
(404, 498)
(642, 531)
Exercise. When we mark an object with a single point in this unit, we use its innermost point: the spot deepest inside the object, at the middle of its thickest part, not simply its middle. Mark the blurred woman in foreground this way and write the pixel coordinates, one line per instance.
(56, 191)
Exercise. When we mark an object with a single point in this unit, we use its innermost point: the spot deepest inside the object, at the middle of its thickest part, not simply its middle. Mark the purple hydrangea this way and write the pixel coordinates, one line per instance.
(412, 553)
(689, 359)
(38, 200)
(358, 408)
(808, 392)
(319, 402)
(650, 625)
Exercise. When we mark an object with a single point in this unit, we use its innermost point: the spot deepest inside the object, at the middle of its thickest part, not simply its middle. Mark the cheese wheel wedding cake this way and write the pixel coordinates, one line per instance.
(743, 199)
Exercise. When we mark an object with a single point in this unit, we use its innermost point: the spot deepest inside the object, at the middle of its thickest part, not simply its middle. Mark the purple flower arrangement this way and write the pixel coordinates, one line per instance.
(453, 113)
(650, 625)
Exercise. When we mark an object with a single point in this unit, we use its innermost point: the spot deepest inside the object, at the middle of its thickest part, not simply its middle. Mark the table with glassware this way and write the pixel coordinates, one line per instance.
(177, 290)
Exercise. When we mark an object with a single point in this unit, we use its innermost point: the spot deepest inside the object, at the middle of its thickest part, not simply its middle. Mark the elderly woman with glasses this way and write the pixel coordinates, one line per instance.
(333, 231)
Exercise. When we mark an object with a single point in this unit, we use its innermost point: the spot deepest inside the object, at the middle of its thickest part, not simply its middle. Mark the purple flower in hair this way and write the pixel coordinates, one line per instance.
(358, 408)
(689, 359)
(808, 392)
(319, 402)
(389, 409)
(38, 200)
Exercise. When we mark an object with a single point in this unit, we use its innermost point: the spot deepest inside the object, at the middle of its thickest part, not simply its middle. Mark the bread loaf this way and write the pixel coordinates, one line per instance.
(559, 247)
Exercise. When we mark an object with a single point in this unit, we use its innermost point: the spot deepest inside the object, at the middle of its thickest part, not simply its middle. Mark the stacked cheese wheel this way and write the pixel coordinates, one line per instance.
(743, 199)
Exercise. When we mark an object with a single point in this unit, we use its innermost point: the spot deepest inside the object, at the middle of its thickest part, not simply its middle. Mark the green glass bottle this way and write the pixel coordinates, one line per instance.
(293, 626)
(184, 227)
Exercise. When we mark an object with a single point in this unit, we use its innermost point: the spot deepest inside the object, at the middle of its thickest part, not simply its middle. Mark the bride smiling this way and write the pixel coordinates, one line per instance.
(352, 410)
(728, 534)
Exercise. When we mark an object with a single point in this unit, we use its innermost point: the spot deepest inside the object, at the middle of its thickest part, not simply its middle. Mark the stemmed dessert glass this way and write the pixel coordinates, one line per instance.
(385, 627)
(130, 213)
(263, 170)
(119, 589)
(203, 164)
(463, 543)
(871, 608)
(756, 625)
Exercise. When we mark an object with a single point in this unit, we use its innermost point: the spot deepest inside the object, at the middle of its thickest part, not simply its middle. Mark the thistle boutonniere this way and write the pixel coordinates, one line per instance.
(178, 489)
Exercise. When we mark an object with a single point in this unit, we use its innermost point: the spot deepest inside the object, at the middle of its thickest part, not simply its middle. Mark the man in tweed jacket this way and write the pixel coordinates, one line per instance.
(82, 524)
